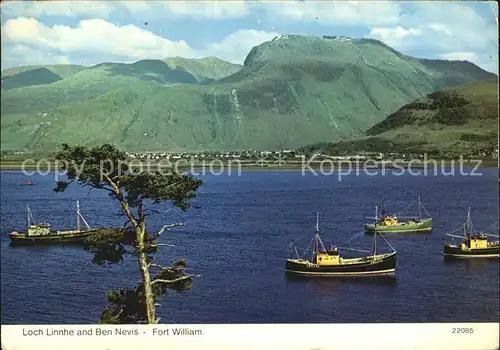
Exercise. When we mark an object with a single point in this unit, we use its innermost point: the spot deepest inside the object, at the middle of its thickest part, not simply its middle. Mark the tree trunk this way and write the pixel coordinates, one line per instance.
(140, 232)
(146, 278)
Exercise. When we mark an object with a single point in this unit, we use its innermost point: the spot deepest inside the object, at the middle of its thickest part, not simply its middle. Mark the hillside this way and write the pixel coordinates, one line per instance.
(291, 91)
(36, 75)
(172, 70)
(204, 69)
(461, 120)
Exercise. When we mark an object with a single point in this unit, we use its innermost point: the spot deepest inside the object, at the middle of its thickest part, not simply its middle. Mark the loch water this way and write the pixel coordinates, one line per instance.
(237, 239)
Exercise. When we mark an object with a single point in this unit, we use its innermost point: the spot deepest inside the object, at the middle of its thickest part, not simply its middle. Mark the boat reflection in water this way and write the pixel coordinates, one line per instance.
(471, 266)
(332, 283)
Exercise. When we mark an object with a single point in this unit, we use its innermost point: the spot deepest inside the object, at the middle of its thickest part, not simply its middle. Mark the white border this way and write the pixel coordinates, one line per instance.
(398, 336)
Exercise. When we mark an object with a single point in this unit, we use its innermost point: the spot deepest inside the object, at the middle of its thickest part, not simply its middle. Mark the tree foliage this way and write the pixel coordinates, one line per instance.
(451, 116)
(401, 117)
(446, 99)
(105, 168)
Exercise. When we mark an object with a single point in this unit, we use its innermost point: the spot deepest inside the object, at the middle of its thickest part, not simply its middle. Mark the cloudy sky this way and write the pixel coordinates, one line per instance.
(96, 31)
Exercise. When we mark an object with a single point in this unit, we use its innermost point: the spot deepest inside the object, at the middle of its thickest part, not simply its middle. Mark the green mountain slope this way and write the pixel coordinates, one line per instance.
(36, 75)
(90, 83)
(291, 92)
(62, 70)
(168, 71)
(461, 120)
(204, 69)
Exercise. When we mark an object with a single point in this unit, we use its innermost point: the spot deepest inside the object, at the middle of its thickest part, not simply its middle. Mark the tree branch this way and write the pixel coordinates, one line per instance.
(140, 213)
(121, 311)
(161, 244)
(99, 187)
(171, 269)
(174, 184)
(183, 278)
(122, 201)
(166, 228)
(125, 224)
(160, 267)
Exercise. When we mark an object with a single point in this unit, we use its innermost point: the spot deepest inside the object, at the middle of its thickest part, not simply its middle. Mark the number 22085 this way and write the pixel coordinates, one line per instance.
(462, 330)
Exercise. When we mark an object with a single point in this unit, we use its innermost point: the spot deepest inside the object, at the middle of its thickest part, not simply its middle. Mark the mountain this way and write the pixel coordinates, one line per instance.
(462, 120)
(291, 91)
(36, 75)
(205, 69)
(175, 70)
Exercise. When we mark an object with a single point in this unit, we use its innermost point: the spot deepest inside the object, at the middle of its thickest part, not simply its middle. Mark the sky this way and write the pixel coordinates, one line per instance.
(92, 32)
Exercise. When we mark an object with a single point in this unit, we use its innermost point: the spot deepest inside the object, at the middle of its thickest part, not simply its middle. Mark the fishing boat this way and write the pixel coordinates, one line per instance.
(42, 233)
(474, 244)
(329, 263)
(393, 223)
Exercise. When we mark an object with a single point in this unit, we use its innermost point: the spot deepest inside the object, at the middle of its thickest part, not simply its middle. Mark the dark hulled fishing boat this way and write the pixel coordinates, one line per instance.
(329, 263)
(42, 233)
(474, 244)
(393, 223)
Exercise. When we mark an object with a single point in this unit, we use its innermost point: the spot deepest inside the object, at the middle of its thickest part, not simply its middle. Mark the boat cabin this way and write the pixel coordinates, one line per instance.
(476, 242)
(327, 258)
(388, 221)
(39, 230)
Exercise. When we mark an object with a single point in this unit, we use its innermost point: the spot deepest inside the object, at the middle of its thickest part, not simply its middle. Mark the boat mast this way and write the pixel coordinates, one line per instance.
(316, 234)
(419, 209)
(467, 231)
(315, 249)
(374, 248)
(29, 216)
(374, 245)
(78, 215)
(79, 218)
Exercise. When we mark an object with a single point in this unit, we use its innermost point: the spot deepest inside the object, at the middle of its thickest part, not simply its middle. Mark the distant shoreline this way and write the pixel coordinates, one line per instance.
(334, 166)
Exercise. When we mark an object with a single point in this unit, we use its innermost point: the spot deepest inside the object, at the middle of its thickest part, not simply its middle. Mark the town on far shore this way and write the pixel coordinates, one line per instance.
(280, 156)
(286, 155)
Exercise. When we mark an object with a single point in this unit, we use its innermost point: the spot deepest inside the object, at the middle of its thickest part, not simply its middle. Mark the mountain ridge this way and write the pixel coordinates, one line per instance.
(289, 93)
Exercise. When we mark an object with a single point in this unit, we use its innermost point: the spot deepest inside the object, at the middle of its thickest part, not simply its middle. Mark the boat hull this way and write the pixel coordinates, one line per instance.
(409, 226)
(70, 237)
(381, 265)
(457, 252)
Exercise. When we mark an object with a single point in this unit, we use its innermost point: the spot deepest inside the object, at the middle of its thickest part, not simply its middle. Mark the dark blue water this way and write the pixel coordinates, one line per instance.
(238, 241)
